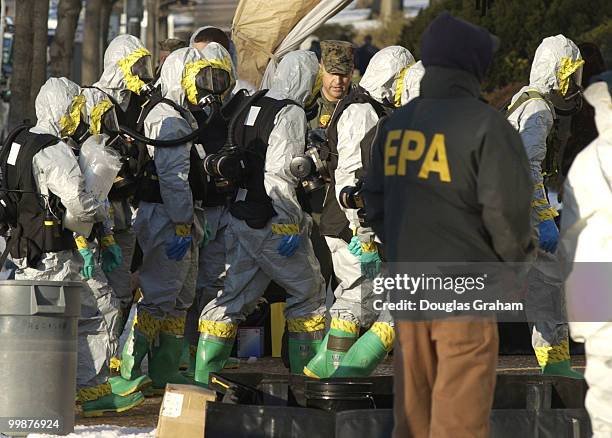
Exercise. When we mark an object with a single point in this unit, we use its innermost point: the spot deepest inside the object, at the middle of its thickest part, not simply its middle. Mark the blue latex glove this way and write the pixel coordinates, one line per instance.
(355, 246)
(111, 258)
(549, 235)
(88, 263)
(177, 247)
(289, 245)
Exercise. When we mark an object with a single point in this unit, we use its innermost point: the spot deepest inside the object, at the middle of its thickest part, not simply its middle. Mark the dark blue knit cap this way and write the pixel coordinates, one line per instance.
(455, 43)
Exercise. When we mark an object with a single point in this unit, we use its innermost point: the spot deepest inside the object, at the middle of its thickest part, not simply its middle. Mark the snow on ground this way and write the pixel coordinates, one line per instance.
(104, 431)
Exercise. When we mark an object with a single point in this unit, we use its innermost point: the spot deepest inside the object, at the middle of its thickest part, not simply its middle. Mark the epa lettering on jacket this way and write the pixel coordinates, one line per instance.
(404, 146)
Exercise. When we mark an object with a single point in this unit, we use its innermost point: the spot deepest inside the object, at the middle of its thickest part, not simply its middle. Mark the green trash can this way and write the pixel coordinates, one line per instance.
(38, 356)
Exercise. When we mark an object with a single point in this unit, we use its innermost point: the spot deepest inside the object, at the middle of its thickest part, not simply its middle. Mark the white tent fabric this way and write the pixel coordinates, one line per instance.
(307, 25)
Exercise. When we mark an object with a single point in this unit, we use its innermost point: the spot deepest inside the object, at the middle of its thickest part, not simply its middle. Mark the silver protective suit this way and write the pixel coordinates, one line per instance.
(383, 79)
(534, 120)
(57, 171)
(252, 254)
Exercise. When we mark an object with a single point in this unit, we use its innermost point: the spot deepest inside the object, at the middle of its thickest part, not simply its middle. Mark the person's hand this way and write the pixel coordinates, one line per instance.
(290, 240)
(206, 237)
(549, 235)
(111, 254)
(371, 263)
(177, 247)
(355, 246)
(88, 263)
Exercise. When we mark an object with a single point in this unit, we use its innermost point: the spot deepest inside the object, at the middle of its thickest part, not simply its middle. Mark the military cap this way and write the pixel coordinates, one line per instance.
(171, 44)
(337, 57)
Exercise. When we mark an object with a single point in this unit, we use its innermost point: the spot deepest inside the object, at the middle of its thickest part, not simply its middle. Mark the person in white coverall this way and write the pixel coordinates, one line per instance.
(56, 171)
(380, 90)
(586, 227)
(555, 72)
(124, 89)
(267, 237)
(167, 229)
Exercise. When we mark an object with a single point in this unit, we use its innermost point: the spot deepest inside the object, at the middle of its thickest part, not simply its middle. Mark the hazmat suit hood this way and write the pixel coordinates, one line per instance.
(97, 104)
(554, 62)
(232, 48)
(58, 107)
(117, 80)
(195, 34)
(296, 75)
(385, 74)
(412, 82)
(216, 55)
(177, 77)
(598, 95)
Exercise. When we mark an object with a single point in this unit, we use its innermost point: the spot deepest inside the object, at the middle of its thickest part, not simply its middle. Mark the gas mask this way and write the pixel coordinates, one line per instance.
(211, 83)
(311, 168)
(142, 68)
(570, 103)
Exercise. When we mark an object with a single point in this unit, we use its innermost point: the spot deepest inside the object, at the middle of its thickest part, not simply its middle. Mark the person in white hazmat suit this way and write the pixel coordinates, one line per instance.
(213, 213)
(57, 174)
(354, 251)
(555, 73)
(166, 226)
(102, 119)
(125, 83)
(586, 227)
(267, 237)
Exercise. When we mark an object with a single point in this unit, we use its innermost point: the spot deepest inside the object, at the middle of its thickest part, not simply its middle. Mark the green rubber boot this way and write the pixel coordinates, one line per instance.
(317, 367)
(123, 387)
(111, 403)
(363, 357)
(212, 355)
(301, 351)
(563, 369)
(134, 351)
(164, 365)
(189, 371)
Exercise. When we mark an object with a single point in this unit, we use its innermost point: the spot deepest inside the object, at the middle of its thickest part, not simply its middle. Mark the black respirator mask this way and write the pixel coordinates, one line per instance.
(570, 103)
(142, 68)
(211, 83)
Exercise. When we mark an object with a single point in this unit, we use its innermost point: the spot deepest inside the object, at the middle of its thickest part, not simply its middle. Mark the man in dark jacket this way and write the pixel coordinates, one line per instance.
(452, 175)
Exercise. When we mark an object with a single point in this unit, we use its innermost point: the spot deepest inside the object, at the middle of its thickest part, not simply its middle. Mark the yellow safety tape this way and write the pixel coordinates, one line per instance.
(220, 329)
(132, 82)
(552, 353)
(286, 229)
(93, 392)
(369, 247)
(549, 213)
(107, 241)
(81, 242)
(193, 68)
(174, 326)
(345, 326)
(96, 114)
(540, 203)
(70, 122)
(567, 67)
(316, 89)
(183, 230)
(385, 332)
(147, 325)
(399, 85)
(306, 325)
(115, 364)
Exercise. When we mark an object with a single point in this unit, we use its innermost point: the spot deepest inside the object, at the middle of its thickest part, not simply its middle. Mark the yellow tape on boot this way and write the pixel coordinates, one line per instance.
(219, 329)
(385, 332)
(174, 326)
(345, 326)
(552, 353)
(147, 325)
(307, 324)
(91, 393)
